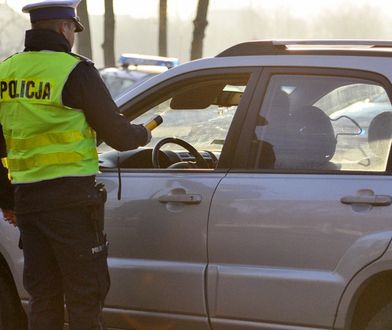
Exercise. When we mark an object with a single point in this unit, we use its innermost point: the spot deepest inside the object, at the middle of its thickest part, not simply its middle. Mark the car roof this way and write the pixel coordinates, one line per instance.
(366, 55)
(310, 47)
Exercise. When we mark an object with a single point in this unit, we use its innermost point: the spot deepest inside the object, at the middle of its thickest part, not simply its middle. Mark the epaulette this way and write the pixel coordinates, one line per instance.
(83, 58)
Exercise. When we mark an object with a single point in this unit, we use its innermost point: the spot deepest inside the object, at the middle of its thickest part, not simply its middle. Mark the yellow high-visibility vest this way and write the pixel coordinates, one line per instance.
(4, 162)
(45, 139)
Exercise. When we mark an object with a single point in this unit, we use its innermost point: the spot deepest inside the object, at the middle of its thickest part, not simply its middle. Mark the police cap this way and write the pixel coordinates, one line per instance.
(54, 9)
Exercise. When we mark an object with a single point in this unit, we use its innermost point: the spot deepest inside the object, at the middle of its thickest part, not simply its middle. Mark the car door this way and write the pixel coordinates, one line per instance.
(156, 218)
(307, 203)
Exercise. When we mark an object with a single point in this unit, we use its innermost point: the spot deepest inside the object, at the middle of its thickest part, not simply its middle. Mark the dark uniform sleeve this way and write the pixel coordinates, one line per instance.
(6, 189)
(86, 90)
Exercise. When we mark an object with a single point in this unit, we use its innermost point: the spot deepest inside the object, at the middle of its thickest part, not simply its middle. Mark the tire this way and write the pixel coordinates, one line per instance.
(382, 320)
(12, 315)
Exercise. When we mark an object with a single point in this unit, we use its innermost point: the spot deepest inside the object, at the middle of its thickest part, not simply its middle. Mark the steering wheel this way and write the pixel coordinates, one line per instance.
(200, 161)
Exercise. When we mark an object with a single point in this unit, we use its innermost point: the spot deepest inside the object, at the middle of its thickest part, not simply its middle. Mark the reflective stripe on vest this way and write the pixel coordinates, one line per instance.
(48, 139)
(4, 161)
(44, 138)
(50, 159)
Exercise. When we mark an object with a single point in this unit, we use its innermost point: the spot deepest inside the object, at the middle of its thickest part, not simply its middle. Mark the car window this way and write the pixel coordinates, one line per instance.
(310, 122)
(199, 112)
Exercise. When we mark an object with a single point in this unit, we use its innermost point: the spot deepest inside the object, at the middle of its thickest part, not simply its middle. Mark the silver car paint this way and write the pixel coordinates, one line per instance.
(274, 238)
(158, 251)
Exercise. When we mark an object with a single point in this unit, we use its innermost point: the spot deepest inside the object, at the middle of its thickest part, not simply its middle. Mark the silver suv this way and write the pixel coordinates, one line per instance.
(263, 200)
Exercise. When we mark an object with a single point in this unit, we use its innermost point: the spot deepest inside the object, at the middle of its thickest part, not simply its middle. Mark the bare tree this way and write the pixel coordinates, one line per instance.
(200, 23)
(162, 39)
(109, 28)
(84, 38)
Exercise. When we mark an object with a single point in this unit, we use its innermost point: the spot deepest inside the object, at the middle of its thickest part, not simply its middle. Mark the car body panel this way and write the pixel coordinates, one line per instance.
(262, 252)
(158, 249)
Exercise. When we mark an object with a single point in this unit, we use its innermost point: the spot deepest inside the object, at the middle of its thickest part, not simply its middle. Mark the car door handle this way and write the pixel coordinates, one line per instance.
(181, 198)
(375, 200)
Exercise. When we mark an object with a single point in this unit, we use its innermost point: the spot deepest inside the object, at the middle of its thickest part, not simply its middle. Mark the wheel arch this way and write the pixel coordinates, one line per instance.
(366, 293)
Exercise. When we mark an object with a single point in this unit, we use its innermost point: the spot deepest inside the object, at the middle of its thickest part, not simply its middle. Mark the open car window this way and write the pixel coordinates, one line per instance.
(198, 112)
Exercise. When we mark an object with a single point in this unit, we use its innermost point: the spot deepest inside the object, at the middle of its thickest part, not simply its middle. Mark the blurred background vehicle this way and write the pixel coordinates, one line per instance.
(133, 69)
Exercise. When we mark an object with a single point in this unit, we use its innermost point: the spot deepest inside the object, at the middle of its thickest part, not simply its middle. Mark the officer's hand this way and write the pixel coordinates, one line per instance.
(148, 135)
(9, 216)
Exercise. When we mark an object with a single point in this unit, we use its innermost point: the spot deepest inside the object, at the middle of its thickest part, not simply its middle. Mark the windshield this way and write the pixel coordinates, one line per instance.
(205, 129)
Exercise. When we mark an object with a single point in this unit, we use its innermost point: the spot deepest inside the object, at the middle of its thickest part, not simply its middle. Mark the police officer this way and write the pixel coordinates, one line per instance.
(52, 103)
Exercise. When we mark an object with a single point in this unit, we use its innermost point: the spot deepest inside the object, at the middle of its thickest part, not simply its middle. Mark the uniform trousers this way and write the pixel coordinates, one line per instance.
(65, 262)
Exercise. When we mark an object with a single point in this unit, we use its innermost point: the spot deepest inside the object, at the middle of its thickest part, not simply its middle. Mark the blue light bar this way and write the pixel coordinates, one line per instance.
(136, 59)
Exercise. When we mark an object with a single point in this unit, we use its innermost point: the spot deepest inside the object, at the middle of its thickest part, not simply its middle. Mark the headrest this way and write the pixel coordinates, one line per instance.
(380, 133)
(314, 135)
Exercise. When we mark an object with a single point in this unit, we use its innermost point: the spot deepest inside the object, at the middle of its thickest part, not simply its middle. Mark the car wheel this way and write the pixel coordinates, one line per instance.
(12, 316)
(382, 320)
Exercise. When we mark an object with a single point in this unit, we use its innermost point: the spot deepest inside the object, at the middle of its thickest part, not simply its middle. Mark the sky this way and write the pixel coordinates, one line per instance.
(336, 21)
(187, 8)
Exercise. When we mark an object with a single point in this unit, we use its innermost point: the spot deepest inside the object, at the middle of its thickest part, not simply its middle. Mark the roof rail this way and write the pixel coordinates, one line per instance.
(262, 47)
(334, 42)
(279, 47)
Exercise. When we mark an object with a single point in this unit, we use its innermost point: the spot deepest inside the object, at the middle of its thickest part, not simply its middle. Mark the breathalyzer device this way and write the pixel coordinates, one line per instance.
(153, 123)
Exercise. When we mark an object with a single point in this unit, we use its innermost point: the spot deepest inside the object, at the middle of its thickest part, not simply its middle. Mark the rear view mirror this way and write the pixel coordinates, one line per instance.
(228, 98)
(199, 97)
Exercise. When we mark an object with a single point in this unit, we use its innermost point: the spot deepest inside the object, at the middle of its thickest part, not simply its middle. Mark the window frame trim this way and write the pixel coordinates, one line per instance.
(157, 93)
